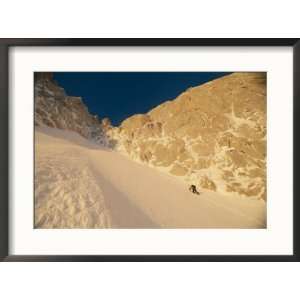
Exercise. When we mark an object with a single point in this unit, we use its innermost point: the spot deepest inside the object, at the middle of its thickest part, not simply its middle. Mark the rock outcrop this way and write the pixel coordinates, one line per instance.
(54, 108)
(213, 135)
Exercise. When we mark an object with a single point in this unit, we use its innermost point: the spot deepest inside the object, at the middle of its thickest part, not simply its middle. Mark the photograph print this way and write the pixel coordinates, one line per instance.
(150, 150)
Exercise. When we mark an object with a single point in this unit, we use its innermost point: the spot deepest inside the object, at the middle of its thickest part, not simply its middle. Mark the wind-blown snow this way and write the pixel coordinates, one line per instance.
(79, 184)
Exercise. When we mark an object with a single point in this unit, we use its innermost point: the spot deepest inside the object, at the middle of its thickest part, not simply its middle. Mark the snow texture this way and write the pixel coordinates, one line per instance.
(79, 184)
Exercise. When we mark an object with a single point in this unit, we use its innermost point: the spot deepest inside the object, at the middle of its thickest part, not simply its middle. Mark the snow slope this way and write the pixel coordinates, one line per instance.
(79, 184)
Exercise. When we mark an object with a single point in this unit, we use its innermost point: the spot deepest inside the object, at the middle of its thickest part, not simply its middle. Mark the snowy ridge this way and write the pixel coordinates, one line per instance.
(53, 108)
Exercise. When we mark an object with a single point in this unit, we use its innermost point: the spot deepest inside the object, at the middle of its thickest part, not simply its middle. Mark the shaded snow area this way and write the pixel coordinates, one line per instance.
(79, 184)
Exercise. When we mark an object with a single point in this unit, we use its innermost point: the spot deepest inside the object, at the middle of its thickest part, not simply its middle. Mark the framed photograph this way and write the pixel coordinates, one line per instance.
(149, 149)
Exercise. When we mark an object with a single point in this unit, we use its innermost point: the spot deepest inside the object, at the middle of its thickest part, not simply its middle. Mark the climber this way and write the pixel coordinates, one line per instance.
(193, 189)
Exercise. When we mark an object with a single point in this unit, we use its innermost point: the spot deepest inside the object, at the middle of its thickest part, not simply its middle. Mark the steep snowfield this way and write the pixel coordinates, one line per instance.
(79, 184)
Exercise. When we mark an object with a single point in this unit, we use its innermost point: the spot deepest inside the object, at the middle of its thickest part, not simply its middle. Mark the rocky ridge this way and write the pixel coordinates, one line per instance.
(213, 135)
(54, 108)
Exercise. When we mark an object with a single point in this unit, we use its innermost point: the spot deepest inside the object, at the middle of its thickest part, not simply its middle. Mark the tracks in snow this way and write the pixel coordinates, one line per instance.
(67, 194)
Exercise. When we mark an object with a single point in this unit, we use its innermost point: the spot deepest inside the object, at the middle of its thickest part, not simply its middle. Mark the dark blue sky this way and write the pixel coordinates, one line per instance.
(118, 95)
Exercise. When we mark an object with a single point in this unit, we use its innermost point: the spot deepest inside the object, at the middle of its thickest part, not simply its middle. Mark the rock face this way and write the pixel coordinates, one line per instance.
(213, 135)
(53, 108)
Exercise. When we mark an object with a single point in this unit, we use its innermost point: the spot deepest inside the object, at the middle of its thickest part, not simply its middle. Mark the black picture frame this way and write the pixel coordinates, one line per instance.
(5, 44)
